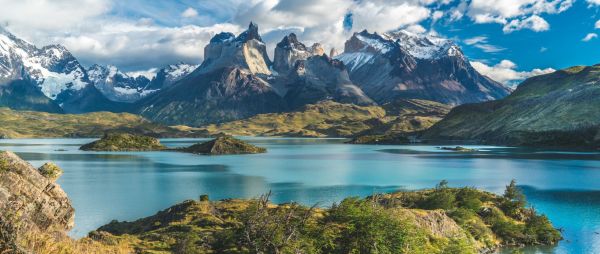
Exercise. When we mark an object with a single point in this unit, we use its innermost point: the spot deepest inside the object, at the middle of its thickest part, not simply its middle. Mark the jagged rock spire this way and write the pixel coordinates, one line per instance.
(251, 33)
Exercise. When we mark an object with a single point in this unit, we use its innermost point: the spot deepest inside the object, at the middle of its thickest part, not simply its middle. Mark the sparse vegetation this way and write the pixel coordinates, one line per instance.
(124, 142)
(332, 119)
(439, 220)
(31, 124)
(223, 144)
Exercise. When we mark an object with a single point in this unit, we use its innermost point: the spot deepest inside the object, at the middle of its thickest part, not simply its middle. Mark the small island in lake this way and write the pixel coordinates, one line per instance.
(458, 149)
(380, 140)
(223, 144)
(124, 142)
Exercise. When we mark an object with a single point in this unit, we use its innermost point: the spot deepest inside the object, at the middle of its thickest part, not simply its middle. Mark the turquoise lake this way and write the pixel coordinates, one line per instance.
(124, 186)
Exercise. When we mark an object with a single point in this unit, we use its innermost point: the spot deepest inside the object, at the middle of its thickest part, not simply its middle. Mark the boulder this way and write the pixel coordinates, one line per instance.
(31, 201)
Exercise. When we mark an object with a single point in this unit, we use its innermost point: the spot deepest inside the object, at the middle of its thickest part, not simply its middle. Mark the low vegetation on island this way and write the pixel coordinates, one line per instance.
(124, 142)
(458, 149)
(223, 144)
(439, 220)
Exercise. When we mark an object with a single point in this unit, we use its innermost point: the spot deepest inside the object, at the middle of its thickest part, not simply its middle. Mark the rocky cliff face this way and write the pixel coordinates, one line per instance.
(406, 65)
(170, 74)
(221, 95)
(116, 85)
(246, 51)
(321, 78)
(290, 50)
(30, 201)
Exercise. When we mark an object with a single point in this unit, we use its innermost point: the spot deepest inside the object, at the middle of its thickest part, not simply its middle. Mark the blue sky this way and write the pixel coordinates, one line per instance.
(507, 39)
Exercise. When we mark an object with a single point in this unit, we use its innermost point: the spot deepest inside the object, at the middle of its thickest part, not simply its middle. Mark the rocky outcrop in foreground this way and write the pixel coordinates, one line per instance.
(124, 142)
(30, 202)
(224, 144)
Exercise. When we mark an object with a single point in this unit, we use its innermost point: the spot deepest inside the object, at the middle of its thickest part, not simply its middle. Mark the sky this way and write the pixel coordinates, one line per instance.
(508, 40)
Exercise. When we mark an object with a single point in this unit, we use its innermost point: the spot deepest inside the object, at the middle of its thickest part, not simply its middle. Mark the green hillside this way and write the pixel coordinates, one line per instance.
(31, 124)
(556, 109)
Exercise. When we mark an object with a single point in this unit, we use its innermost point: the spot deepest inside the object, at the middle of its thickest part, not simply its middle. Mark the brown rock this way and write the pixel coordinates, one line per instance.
(29, 201)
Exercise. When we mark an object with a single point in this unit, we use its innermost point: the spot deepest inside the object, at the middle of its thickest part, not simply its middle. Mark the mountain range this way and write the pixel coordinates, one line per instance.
(237, 79)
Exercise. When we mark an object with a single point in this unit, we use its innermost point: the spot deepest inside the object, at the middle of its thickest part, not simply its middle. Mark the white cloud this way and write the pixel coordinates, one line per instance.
(481, 42)
(589, 37)
(32, 15)
(597, 24)
(137, 47)
(382, 18)
(150, 73)
(593, 2)
(488, 48)
(505, 72)
(535, 23)
(516, 14)
(475, 40)
(437, 15)
(189, 13)
(543, 49)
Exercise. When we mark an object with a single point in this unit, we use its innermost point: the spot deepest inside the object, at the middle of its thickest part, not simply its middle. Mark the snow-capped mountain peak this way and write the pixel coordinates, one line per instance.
(424, 46)
(52, 67)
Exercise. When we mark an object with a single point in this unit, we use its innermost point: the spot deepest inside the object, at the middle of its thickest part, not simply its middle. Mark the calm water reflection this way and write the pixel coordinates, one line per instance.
(125, 186)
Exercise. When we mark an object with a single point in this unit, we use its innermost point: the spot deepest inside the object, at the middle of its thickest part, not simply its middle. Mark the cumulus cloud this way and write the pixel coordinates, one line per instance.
(589, 37)
(516, 14)
(140, 47)
(535, 23)
(597, 24)
(506, 72)
(31, 15)
(189, 13)
(593, 2)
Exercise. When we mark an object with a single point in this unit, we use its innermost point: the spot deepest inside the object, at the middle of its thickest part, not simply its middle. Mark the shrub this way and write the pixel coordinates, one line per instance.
(368, 228)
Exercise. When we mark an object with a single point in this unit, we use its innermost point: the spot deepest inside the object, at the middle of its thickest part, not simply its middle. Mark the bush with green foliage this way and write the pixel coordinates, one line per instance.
(465, 220)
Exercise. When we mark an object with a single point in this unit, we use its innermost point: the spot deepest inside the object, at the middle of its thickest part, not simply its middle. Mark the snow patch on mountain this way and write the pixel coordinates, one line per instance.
(53, 68)
(424, 46)
(355, 60)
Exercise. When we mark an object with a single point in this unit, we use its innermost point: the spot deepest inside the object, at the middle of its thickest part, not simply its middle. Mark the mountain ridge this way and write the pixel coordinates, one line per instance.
(555, 109)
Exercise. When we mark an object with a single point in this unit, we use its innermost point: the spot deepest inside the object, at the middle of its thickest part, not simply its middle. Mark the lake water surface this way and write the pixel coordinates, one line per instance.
(129, 185)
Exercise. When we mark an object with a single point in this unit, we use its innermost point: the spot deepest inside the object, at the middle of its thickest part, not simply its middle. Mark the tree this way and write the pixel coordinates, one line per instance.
(514, 193)
(443, 184)
(514, 200)
(275, 230)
